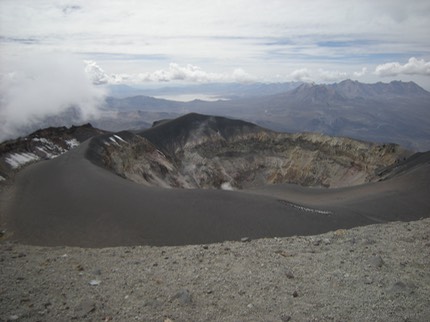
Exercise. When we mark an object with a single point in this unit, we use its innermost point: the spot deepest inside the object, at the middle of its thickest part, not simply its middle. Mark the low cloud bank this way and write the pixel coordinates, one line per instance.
(414, 66)
(175, 72)
(37, 86)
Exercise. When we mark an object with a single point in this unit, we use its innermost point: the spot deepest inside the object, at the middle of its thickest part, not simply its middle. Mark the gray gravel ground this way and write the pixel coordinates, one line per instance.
(374, 273)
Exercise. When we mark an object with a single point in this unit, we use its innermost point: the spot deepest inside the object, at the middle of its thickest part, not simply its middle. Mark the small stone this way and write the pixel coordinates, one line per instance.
(316, 242)
(289, 274)
(368, 280)
(401, 287)
(183, 296)
(98, 272)
(245, 239)
(295, 294)
(285, 318)
(205, 247)
(376, 261)
(13, 317)
(250, 306)
(85, 307)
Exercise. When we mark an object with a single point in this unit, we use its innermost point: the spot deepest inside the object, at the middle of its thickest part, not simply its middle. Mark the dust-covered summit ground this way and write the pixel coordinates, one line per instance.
(373, 273)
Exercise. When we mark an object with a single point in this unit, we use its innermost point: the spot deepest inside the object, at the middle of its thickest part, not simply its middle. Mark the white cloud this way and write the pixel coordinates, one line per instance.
(361, 73)
(96, 73)
(192, 73)
(332, 75)
(175, 72)
(413, 67)
(301, 75)
(35, 86)
(184, 73)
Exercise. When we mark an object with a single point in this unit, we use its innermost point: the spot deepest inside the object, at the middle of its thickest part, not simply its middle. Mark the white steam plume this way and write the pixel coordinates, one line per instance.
(36, 86)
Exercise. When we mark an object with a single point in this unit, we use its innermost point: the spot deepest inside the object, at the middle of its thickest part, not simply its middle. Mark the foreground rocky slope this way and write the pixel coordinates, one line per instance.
(373, 273)
(199, 151)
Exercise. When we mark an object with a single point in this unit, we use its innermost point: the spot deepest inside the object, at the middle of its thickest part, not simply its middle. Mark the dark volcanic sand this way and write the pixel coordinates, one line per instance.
(70, 201)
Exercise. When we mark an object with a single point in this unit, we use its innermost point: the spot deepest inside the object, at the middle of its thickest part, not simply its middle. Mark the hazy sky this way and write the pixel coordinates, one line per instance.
(149, 41)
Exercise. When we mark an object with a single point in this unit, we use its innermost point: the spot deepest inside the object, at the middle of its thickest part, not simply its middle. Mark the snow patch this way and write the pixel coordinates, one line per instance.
(119, 138)
(48, 147)
(42, 140)
(2, 178)
(227, 186)
(48, 154)
(73, 143)
(17, 160)
(113, 140)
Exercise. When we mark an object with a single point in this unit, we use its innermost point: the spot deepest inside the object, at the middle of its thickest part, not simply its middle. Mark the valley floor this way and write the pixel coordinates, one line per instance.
(372, 273)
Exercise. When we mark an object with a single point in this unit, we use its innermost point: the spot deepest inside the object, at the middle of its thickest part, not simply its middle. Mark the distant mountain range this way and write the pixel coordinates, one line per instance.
(397, 112)
(214, 90)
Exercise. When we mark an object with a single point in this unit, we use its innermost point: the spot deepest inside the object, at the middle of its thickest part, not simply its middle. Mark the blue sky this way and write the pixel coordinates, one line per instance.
(235, 40)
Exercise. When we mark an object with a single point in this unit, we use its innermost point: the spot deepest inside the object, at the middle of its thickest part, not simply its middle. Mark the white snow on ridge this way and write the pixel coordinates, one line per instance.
(119, 138)
(43, 149)
(42, 140)
(113, 140)
(2, 179)
(17, 160)
(227, 186)
(48, 147)
(49, 155)
(72, 143)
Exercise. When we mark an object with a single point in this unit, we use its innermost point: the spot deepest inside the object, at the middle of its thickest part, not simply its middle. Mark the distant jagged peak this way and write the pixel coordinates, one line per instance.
(349, 89)
(312, 92)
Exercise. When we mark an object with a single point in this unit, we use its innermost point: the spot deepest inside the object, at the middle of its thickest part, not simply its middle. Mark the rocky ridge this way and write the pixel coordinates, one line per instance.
(43, 144)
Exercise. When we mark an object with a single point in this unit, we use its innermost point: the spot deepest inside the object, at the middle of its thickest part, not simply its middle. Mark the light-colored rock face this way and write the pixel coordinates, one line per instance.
(206, 157)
